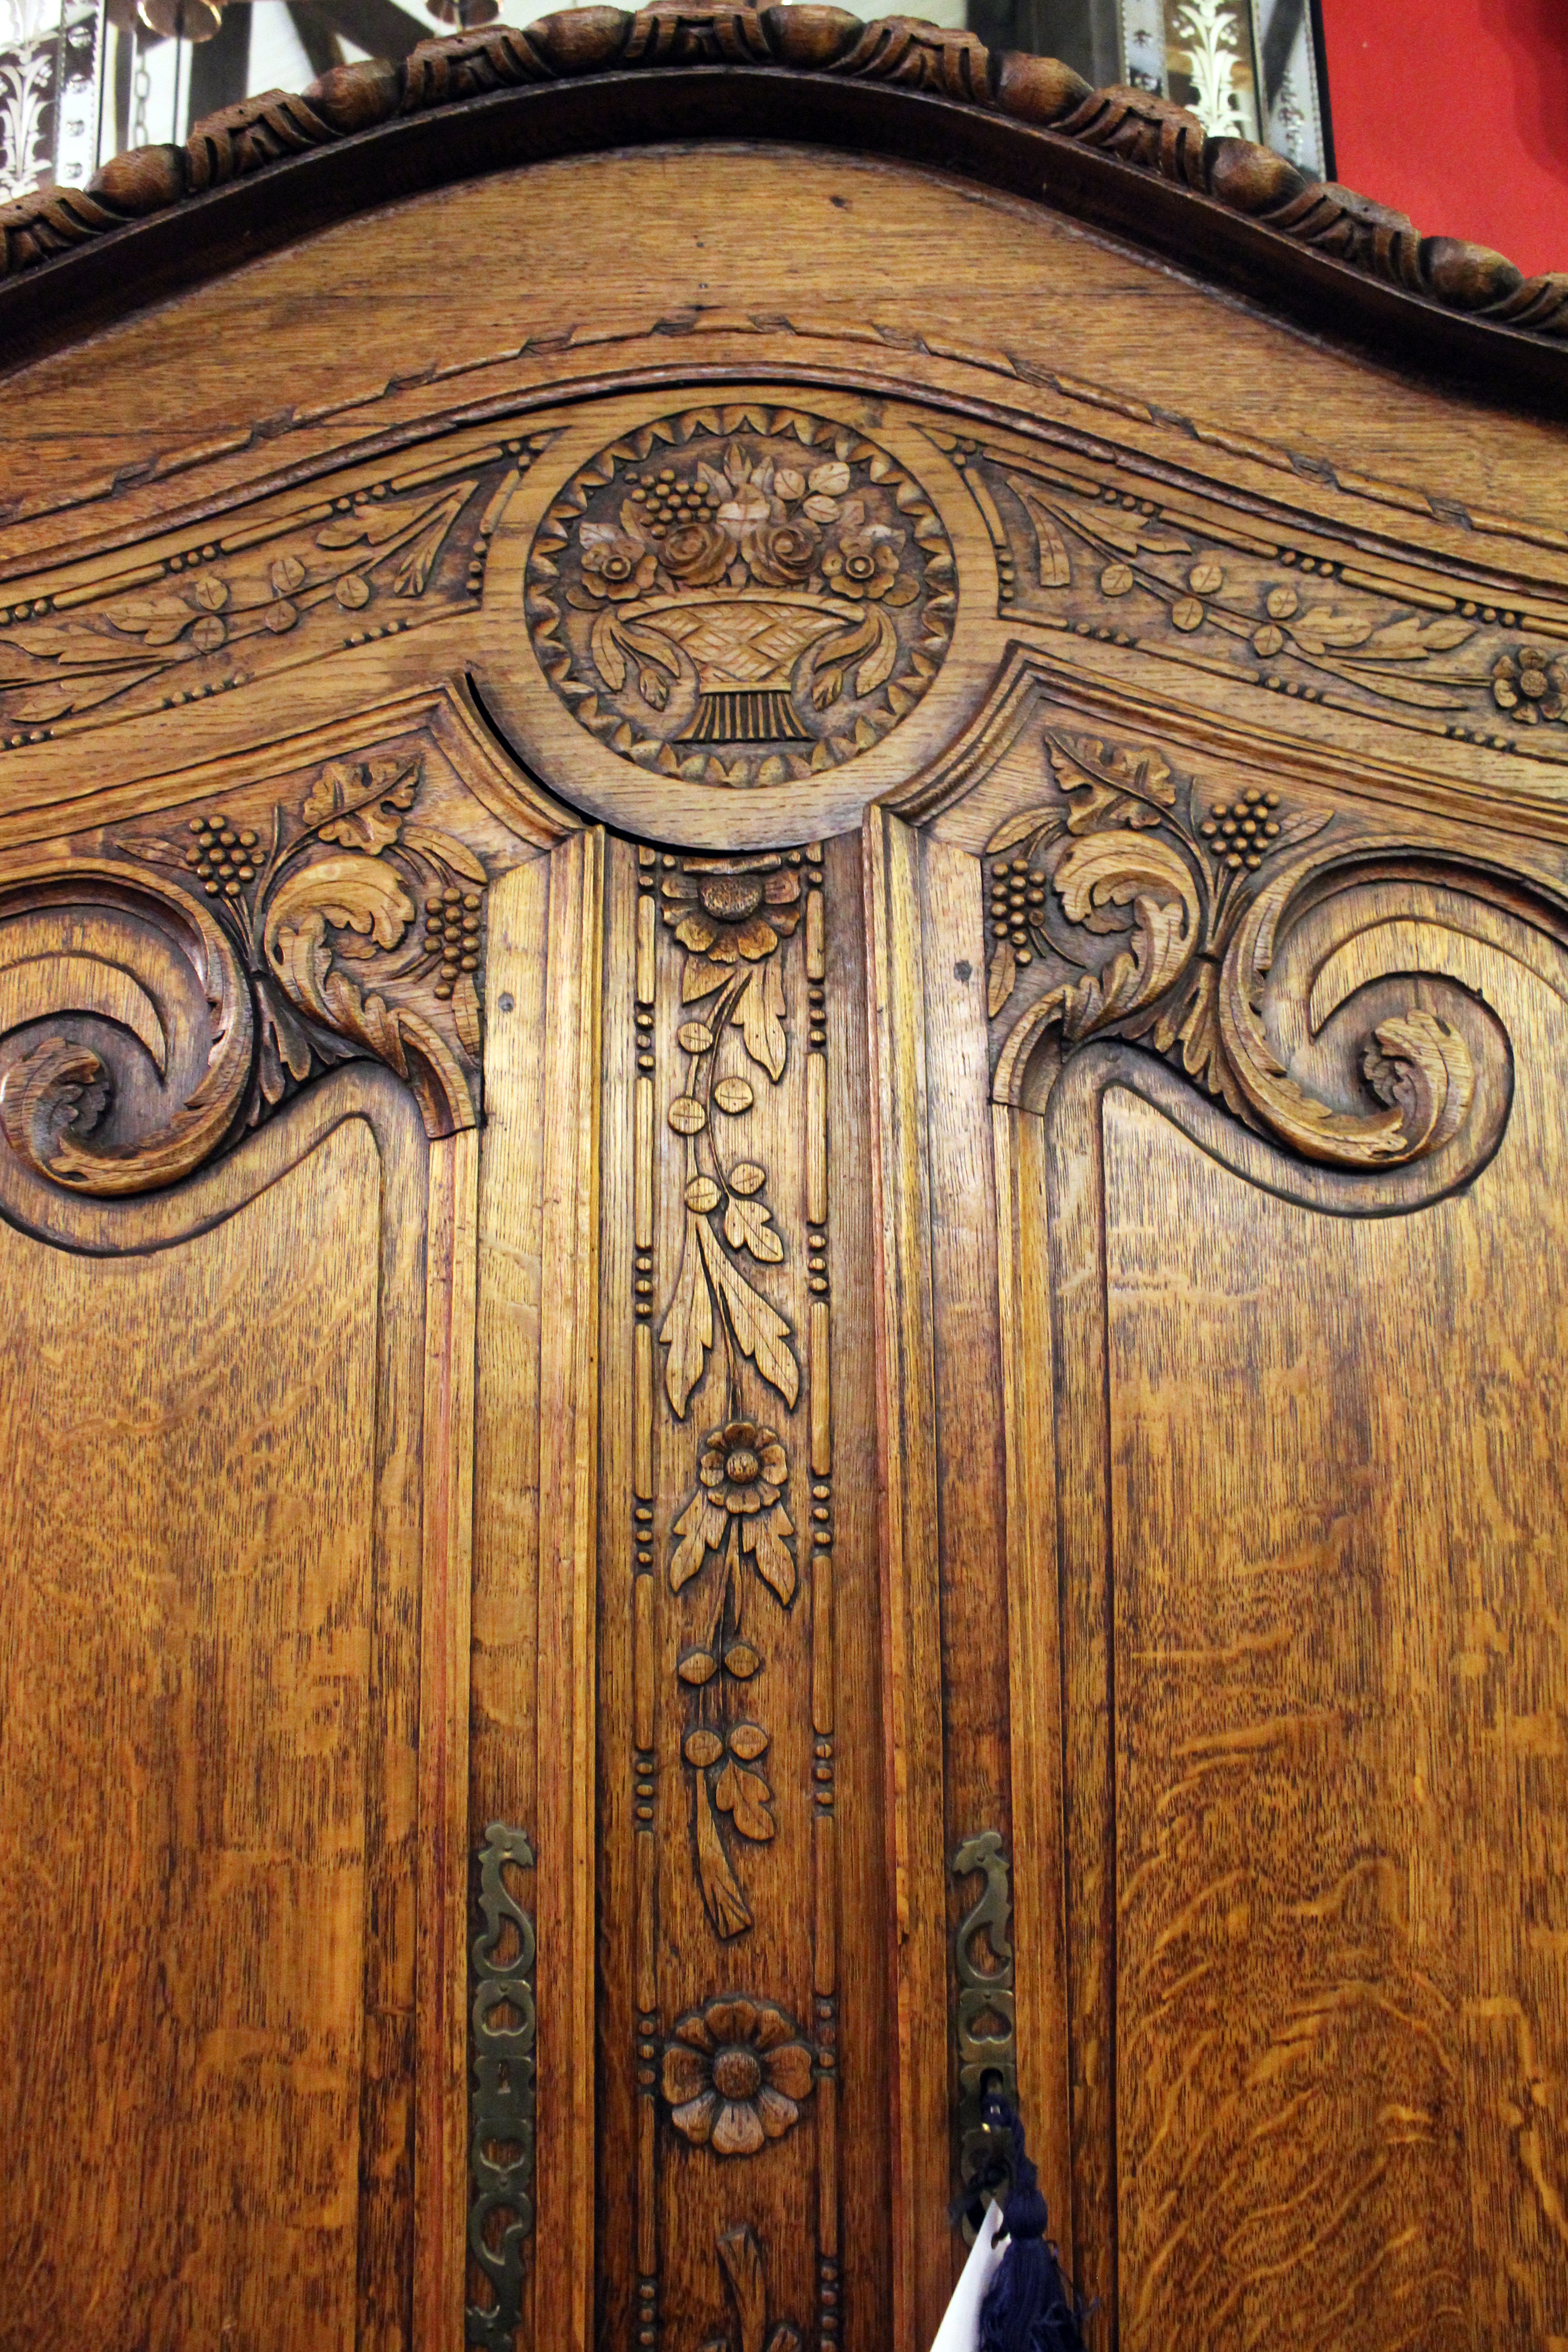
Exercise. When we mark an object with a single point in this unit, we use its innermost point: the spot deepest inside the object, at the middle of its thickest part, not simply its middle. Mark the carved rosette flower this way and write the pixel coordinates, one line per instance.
(865, 563)
(733, 908)
(614, 565)
(741, 1475)
(735, 2074)
(1531, 685)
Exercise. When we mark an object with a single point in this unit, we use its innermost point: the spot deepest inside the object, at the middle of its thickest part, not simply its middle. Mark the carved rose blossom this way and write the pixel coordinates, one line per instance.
(735, 2076)
(726, 909)
(697, 554)
(1530, 684)
(781, 554)
(615, 565)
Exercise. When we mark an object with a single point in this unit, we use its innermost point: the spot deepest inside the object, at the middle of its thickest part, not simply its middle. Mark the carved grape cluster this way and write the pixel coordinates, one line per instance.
(452, 931)
(671, 503)
(1242, 830)
(1017, 894)
(222, 857)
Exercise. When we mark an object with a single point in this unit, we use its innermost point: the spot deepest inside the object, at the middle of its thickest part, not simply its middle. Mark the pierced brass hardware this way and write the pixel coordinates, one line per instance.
(988, 2052)
(501, 2104)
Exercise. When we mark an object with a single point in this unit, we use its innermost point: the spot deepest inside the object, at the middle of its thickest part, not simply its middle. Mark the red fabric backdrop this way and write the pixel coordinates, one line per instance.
(1456, 111)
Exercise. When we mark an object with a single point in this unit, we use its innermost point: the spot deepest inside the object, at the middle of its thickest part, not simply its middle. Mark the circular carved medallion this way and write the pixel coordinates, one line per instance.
(741, 596)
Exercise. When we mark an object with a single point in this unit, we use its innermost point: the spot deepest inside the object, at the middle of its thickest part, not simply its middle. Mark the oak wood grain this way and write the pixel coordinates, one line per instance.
(191, 1736)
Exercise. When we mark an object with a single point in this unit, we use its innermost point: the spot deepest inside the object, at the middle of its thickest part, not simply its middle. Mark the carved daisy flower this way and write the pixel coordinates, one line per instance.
(1530, 684)
(735, 2076)
(731, 908)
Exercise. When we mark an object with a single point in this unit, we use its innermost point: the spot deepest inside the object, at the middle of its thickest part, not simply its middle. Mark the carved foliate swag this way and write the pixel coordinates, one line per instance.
(1270, 601)
(1143, 904)
(246, 599)
(246, 953)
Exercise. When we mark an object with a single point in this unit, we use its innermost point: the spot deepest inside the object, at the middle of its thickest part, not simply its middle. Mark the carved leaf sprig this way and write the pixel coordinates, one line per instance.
(1356, 643)
(70, 664)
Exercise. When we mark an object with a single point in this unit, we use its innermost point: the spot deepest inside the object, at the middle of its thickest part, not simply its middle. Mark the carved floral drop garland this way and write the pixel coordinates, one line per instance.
(734, 1534)
(761, 607)
(1193, 892)
(1285, 618)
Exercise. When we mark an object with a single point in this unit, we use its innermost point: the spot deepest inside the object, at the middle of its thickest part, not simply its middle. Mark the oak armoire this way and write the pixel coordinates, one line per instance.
(784, 1171)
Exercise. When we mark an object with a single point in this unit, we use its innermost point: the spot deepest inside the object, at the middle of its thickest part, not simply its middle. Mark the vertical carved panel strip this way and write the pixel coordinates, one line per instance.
(732, 1994)
(825, 1827)
(569, 1456)
(644, 1630)
(906, 1378)
(441, 2136)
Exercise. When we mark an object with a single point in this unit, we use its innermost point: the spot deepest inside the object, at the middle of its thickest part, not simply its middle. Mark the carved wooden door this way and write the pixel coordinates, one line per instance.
(781, 961)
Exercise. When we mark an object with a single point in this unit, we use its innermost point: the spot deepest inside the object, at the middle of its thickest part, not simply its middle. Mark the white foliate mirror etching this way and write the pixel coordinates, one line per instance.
(1246, 69)
(48, 93)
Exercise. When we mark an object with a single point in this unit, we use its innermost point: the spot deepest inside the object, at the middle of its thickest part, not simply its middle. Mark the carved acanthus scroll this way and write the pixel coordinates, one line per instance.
(244, 949)
(1141, 904)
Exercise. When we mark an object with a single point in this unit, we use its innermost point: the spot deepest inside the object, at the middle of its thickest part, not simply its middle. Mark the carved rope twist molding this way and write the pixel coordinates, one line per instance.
(1148, 133)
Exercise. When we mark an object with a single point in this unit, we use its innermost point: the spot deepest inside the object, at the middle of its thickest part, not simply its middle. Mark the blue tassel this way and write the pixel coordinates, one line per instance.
(1029, 2307)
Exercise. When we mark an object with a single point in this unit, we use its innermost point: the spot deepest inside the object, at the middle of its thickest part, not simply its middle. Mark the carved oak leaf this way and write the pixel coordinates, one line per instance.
(744, 1795)
(687, 1328)
(1001, 979)
(1109, 785)
(1031, 825)
(59, 701)
(157, 620)
(606, 646)
(1410, 639)
(453, 855)
(748, 1225)
(762, 1536)
(726, 1905)
(1055, 567)
(742, 2258)
(424, 521)
(1316, 631)
(701, 1527)
(466, 1013)
(359, 807)
(759, 1017)
(759, 1332)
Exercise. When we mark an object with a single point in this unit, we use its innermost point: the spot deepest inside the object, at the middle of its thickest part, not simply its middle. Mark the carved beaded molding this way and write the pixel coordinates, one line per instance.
(1148, 133)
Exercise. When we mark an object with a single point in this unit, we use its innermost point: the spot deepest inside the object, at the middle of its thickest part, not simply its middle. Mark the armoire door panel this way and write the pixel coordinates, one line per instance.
(210, 1743)
(1312, 1541)
(1340, 1527)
